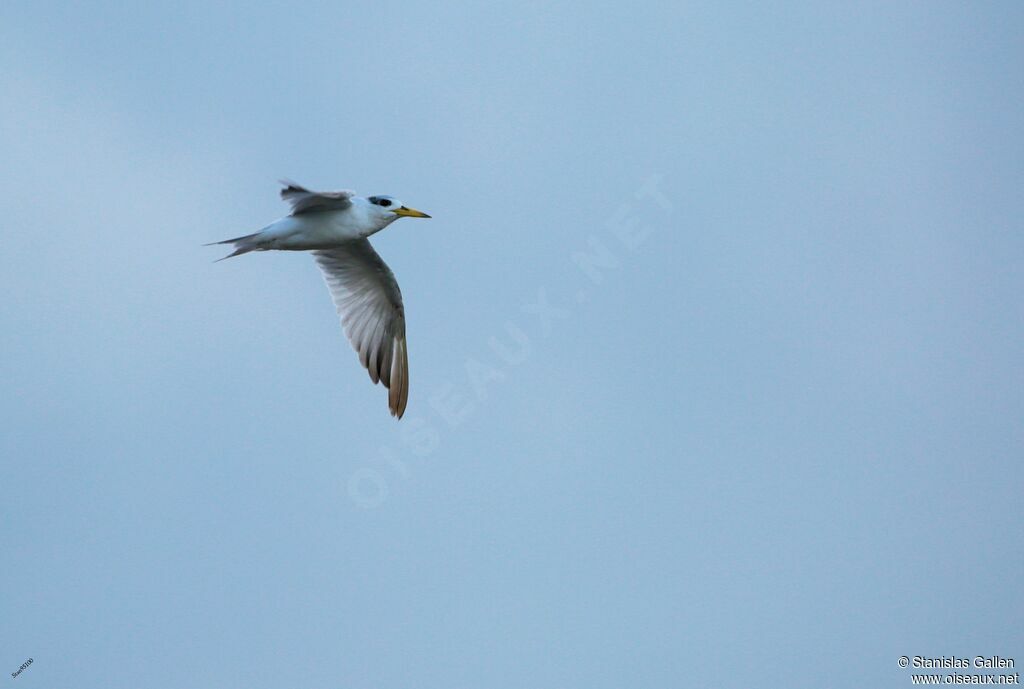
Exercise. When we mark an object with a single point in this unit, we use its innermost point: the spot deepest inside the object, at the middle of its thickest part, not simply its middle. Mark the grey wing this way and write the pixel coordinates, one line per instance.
(370, 305)
(303, 200)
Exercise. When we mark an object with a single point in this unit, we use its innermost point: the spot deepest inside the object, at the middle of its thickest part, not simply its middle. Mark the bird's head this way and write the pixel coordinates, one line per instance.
(390, 208)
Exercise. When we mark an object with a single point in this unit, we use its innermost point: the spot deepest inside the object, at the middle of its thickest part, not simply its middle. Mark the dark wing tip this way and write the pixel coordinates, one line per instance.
(290, 187)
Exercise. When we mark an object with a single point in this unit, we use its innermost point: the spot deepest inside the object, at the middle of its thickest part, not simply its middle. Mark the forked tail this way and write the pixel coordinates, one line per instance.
(243, 245)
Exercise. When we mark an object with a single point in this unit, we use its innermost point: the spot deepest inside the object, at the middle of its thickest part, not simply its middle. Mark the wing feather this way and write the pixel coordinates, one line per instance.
(304, 200)
(369, 302)
(376, 333)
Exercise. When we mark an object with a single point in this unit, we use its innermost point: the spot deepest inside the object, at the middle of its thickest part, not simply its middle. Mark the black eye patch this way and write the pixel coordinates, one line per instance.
(384, 202)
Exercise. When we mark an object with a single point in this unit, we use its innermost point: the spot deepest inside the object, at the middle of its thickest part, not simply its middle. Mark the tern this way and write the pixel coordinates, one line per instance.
(334, 225)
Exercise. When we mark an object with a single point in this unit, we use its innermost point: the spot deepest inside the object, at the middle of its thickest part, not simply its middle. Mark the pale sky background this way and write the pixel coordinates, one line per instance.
(773, 440)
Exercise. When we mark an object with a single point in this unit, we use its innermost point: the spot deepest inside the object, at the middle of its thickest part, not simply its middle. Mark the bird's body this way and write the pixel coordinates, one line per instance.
(335, 227)
(323, 229)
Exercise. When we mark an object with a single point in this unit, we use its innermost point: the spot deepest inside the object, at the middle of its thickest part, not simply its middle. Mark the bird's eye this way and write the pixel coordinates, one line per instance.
(384, 202)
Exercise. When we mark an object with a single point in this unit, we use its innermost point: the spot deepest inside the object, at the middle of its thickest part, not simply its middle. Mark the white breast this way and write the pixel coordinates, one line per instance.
(324, 230)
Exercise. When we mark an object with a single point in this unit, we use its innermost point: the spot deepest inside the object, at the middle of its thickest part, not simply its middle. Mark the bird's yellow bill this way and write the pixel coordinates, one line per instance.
(411, 212)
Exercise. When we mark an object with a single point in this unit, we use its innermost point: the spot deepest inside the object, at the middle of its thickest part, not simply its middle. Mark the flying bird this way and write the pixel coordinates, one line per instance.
(334, 225)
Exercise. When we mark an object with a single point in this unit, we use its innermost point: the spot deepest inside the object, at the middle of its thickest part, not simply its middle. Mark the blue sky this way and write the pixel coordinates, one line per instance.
(715, 343)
